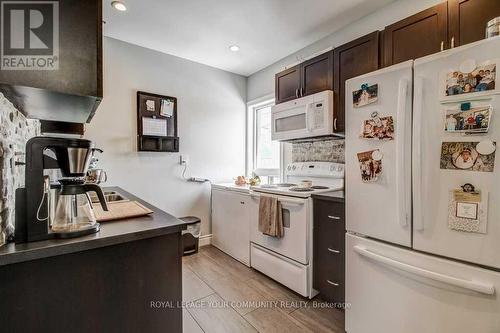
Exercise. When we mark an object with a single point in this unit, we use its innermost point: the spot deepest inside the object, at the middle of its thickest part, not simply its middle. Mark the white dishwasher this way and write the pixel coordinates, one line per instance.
(231, 213)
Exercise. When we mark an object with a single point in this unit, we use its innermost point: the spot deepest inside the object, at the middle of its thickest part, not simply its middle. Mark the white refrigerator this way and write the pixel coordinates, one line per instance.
(422, 246)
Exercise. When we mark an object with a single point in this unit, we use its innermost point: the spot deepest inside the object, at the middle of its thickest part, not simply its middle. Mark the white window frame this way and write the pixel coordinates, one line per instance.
(251, 137)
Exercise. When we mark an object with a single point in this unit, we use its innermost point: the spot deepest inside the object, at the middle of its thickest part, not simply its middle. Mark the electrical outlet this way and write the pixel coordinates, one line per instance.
(184, 159)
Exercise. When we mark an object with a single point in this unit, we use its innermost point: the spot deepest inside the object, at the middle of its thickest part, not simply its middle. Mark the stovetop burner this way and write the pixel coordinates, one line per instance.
(302, 189)
(286, 185)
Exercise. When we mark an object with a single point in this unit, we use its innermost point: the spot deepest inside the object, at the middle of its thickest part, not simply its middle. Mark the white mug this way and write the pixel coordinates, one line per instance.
(306, 183)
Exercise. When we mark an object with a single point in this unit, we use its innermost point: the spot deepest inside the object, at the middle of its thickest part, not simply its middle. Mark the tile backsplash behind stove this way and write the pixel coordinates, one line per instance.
(331, 150)
(15, 130)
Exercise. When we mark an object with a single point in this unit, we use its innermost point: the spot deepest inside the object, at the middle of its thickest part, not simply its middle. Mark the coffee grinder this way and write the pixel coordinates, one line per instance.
(73, 215)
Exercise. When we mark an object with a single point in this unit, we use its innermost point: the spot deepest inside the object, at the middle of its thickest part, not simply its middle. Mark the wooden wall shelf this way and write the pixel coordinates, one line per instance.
(162, 110)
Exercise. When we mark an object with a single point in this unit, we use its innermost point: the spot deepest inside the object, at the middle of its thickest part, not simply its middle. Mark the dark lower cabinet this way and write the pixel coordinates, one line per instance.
(468, 19)
(416, 36)
(357, 57)
(329, 249)
(128, 287)
(287, 84)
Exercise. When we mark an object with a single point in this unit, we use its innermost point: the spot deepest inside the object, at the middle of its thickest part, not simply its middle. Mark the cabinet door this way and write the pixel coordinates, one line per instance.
(416, 36)
(80, 53)
(468, 19)
(230, 229)
(349, 60)
(329, 249)
(317, 74)
(287, 84)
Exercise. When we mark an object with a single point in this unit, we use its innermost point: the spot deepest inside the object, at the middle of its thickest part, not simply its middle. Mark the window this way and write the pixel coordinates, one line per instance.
(267, 152)
(263, 154)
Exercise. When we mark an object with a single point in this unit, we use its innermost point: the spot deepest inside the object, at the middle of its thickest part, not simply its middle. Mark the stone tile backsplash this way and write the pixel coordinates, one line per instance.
(331, 150)
(15, 130)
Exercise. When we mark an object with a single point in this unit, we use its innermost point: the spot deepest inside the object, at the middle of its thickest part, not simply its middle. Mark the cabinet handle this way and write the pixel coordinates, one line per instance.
(442, 45)
(242, 202)
(452, 42)
(301, 92)
(334, 251)
(297, 92)
(335, 124)
(332, 283)
(334, 217)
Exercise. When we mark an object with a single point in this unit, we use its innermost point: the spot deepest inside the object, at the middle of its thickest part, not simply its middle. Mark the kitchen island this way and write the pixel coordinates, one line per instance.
(125, 278)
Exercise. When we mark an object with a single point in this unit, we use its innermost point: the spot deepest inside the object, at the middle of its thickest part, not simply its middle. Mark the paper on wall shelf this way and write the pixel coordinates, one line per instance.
(154, 126)
(167, 108)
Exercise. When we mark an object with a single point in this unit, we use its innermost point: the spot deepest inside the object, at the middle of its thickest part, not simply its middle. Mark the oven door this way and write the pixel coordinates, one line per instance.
(296, 220)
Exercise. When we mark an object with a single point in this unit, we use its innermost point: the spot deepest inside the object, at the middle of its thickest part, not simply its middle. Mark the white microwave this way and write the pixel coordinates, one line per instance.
(306, 117)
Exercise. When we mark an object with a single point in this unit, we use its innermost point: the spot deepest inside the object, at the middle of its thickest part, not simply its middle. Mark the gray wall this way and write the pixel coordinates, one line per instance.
(262, 83)
(211, 109)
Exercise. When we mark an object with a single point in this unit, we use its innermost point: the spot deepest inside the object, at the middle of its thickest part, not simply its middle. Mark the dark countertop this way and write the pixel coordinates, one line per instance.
(336, 196)
(113, 232)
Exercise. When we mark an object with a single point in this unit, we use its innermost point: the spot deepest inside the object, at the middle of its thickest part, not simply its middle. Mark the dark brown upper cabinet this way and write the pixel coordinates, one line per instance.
(317, 74)
(468, 19)
(72, 92)
(311, 76)
(416, 36)
(357, 57)
(287, 84)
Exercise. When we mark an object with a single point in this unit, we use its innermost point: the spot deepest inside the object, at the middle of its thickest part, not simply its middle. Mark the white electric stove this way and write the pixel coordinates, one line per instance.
(289, 259)
(325, 177)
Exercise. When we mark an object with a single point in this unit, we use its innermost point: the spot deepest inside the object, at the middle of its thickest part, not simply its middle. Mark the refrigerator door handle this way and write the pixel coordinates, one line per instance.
(418, 222)
(401, 167)
(480, 287)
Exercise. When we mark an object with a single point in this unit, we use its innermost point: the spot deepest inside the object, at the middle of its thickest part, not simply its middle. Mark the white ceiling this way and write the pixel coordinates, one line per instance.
(203, 30)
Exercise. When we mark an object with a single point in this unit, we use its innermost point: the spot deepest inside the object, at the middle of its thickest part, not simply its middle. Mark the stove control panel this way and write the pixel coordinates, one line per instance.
(315, 169)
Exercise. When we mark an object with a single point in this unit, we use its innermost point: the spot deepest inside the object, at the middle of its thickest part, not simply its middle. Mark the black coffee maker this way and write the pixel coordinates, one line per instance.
(73, 216)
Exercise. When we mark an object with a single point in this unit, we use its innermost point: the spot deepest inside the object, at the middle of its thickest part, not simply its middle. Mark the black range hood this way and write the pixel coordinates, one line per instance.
(49, 105)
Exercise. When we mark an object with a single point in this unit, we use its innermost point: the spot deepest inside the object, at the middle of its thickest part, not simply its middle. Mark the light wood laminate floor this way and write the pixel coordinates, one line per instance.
(222, 295)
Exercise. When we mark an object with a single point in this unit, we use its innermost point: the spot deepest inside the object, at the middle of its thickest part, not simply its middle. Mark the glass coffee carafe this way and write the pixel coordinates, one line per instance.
(74, 215)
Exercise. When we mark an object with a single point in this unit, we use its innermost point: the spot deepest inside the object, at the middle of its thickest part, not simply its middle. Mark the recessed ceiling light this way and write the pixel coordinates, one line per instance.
(118, 5)
(234, 48)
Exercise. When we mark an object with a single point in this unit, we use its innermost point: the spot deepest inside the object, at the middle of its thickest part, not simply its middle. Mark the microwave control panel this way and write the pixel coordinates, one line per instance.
(318, 109)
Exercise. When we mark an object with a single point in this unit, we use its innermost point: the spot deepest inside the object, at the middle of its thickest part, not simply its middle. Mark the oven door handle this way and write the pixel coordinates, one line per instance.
(287, 201)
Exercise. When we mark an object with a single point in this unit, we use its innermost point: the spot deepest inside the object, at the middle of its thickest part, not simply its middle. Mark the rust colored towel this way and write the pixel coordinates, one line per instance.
(270, 216)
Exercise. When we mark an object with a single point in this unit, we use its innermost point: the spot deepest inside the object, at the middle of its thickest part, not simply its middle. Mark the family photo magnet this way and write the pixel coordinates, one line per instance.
(465, 156)
(370, 165)
(381, 128)
(468, 120)
(364, 96)
(469, 78)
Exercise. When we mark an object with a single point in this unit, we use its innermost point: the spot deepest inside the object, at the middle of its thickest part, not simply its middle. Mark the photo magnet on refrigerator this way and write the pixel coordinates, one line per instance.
(465, 156)
(381, 128)
(469, 79)
(470, 121)
(364, 96)
(370, 165)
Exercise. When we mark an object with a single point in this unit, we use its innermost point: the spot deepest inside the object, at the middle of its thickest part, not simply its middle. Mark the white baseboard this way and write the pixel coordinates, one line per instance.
(205, 240)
